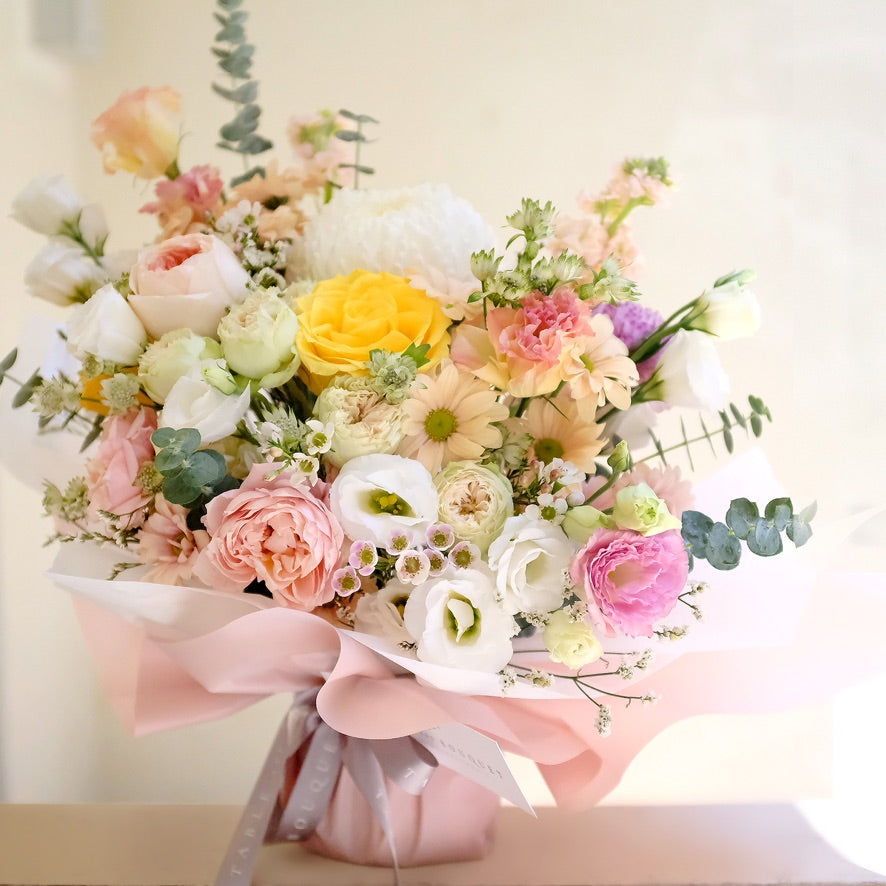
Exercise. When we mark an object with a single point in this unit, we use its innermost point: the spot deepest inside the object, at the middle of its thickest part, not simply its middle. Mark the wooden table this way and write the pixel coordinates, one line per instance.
(618, 846)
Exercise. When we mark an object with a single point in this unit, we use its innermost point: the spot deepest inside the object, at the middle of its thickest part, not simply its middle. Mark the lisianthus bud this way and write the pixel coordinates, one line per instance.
(572, 643)
(639, 508)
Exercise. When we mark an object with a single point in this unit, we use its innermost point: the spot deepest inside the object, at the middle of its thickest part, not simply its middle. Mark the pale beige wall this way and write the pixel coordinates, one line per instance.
(767, 111)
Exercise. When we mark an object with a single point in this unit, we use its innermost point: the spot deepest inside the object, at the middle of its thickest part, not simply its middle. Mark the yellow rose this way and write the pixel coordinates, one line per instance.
(345, 318)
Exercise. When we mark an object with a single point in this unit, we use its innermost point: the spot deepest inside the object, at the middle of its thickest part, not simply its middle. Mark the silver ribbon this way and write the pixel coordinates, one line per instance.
(369, 761)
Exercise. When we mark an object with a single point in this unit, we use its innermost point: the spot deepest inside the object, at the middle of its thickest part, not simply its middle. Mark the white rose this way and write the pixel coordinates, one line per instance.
(456, 622)
(107, 327)
(381, 613)
(63, 274)
(186, 281)
(258, 337)
(375, 496)
(194, 402)
(173, 355)
(689, 373)
(475, 500)
(529, 560)
(365, 422)
(569, 642)
(728, 311)
(46, 205)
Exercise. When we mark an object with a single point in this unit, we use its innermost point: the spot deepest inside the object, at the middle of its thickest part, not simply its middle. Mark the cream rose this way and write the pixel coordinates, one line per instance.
(188, 281)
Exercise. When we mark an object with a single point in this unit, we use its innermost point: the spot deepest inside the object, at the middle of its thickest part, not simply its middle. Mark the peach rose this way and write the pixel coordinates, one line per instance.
(275, 532)
(139, 133)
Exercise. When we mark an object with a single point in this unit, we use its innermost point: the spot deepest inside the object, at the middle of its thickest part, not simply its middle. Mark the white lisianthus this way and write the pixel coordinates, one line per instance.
(106, 327)
(196, 402)
(47, 205)
(529, 560)
(400, 231)
(475, 500)
(689, 373)
(640, 509)
(570, 642)
(375, 496)
(63, 274)
(381, 613)
(173, 355)
(258, 337)
(456, 622)
(729, 311)
(365, 422)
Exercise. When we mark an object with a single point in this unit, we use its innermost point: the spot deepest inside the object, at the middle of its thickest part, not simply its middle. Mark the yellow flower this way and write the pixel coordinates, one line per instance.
(345, 318)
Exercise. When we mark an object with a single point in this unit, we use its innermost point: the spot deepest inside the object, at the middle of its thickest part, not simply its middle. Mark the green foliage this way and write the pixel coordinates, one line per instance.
(234, 56)
(23, 395)
(720, 542)
(358, 138)
(191, 476)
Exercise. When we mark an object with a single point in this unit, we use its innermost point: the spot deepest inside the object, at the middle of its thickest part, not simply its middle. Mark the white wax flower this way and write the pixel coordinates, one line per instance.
(194, 402)
(258, 336)
(729, 311)
(475, 500)
(46, 205)
(570, 642)
(456, 622)
(529, 560)
(107, 327)
(63, 274)
(365, 422)
(173, 355)
(375, 496)
(689, 373)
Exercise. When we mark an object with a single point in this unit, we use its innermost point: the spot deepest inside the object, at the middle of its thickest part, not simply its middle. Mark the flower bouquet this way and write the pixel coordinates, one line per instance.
(341, 443)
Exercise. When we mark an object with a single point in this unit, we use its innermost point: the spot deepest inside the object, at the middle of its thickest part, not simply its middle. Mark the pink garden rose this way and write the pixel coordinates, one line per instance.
(188, 281)
(183, 203)
(630, 581)
(139, 133)
(273, 531)
(526, 351)
(125, 446)
(168, 544)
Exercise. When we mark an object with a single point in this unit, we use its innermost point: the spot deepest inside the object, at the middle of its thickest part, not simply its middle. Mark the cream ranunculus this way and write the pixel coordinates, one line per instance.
(456, 622)
(728, 311)
(570, 642)
(258, 338)
(63, 274)
(689, 373)
(381, 613)
(639, 508)
(530, 560)
(195, 402)
(107, 327)
(475, 500)
(173, 355)
(188, 281)
(365, 422)
(375, 496)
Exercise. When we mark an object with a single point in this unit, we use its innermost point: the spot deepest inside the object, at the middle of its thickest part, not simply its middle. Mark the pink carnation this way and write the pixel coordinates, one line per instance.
(124, 447)
(631, 581)
(168, 545)
(184, 203)
(275, 532)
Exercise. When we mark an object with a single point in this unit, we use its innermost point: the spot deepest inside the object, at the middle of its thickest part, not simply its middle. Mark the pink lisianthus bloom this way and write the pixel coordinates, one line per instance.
(139, 133)
(125, 446)
(183, 203)
(270, 530)
(527, 348)
(630, 581)
(167, 543)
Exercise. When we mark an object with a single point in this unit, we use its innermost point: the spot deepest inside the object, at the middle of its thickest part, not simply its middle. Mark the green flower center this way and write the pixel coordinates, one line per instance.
(547, 449)
(383, 502)
(440, 424)
(462, 619)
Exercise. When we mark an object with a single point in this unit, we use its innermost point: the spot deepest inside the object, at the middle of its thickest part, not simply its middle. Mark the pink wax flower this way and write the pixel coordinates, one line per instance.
(183, 203)
(168, 544)
(275, 532)
(125, 446)
(526, 350)
(630, 581)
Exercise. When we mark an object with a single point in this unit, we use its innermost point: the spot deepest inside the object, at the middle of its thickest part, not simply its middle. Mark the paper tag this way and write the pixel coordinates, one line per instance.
(475, 756)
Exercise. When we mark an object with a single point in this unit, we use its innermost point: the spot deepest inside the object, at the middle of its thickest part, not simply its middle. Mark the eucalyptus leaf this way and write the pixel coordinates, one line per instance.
(170, 461)
(8, 361)
(779, 511)
(728, 440)
(236, 66)
(741, 516)
(695, 530)
(357, 118)
(23, 394)
(756, 424)
(179, 490)
(350, 135)
(245, 176)
(765, 540)
(207, 467)
(254, 144)
(722, 548)
(739, 418)
(808, 512)
(231, 33)
(230, 4)
(798, 531)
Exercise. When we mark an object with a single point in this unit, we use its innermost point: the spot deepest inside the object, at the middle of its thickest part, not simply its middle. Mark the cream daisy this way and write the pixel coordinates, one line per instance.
(451, 419)
(558, 431)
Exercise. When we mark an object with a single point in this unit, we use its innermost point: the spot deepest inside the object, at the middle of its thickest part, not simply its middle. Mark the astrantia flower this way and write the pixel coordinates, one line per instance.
(451, 419)
(559, 432)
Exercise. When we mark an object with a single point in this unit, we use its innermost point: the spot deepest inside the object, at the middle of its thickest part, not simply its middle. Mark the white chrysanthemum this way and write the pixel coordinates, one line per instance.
(402, 231)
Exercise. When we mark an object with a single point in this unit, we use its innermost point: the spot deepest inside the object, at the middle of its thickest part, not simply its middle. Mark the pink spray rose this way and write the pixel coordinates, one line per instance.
(139, 132)
(183, 203)
(124, 447)
(630, 581)
(188, 281)
(273, 531)
(166, 542)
